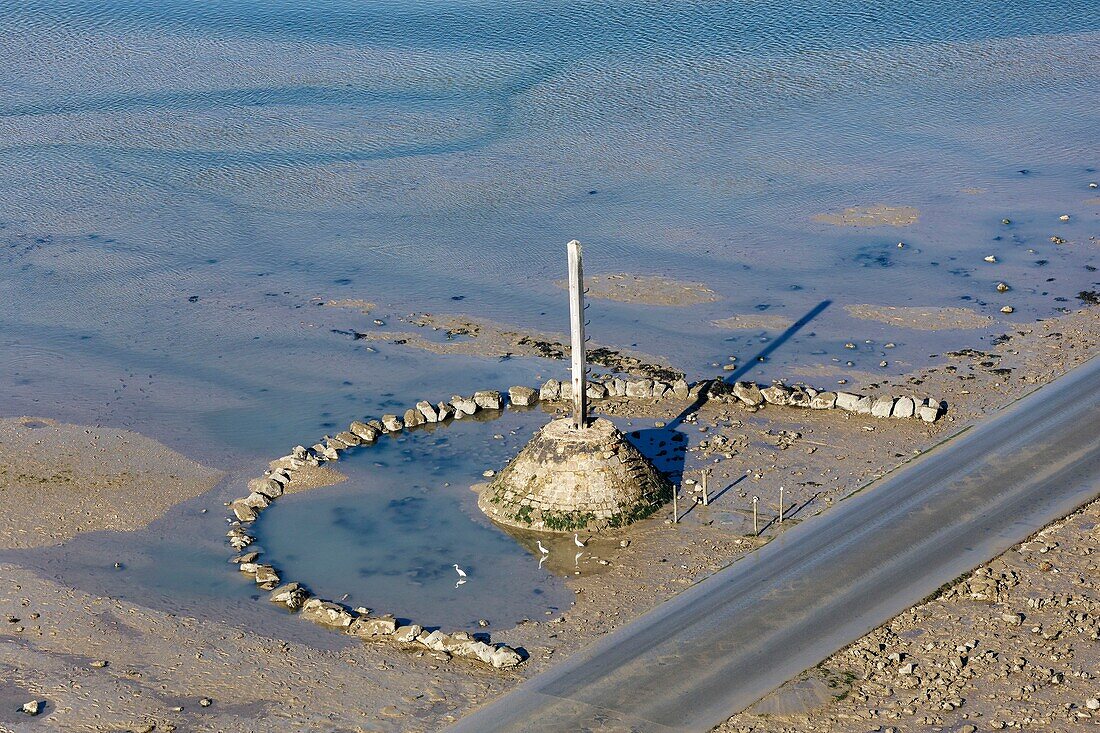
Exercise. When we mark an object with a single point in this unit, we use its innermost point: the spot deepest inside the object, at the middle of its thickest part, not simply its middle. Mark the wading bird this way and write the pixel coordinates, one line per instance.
(460, 571)
(542, 549)
(577, 540)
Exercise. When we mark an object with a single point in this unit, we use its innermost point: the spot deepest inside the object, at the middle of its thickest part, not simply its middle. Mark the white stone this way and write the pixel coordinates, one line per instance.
(488, 399)
(904, 407)
(522, 396)
(882, 407)
(847, 401)
(427, 411)
(551, 390)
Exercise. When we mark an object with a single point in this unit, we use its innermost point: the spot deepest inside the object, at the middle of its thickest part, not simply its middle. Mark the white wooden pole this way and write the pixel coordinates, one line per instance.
(706, 497)
(755, 521)
(576, 331)
(781, 505)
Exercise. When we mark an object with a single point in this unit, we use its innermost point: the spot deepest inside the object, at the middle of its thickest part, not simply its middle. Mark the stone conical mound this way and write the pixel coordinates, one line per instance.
(566, 480)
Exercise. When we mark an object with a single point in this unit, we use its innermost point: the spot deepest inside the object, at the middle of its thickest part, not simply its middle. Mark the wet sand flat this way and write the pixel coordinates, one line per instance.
(58, 480)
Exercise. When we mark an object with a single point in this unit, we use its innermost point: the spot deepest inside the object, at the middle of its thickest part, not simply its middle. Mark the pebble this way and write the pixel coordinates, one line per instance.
(1092, 703)
(1007, 309)
(206, 702)
(99, 663)
(1063, 217)
(1002, 287)
(34, 707)
(990, 258)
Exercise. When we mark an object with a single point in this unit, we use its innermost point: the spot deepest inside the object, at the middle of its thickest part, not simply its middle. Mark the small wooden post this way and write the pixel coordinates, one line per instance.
(675, 505)
(576, 332)
(706, 497)
(755, 520)
(781, 505)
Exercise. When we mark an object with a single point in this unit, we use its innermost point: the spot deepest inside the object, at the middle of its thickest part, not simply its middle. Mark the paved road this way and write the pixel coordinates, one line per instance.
(724, 643)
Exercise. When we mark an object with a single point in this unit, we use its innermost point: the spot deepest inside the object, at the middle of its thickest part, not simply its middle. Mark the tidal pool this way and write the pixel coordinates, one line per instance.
(390, 535)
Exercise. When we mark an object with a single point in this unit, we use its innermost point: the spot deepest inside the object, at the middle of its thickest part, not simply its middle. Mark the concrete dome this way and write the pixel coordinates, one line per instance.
(566, 480)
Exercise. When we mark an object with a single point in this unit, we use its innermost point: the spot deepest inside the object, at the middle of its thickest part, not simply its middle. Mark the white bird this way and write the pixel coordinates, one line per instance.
(460, 571)
(577, 540)
(542, 549)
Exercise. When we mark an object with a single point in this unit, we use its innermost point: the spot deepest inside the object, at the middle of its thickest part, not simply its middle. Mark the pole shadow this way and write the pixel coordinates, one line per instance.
(706, 385)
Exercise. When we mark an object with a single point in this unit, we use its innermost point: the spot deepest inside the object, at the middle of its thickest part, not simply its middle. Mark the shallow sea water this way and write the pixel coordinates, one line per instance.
(182, 185)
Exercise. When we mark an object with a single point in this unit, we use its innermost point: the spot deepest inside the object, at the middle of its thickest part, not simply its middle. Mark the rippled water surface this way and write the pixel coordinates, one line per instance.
(182, 185)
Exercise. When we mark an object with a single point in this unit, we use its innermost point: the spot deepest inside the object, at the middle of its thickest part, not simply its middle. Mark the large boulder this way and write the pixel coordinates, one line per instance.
(882, 407)
(349, 438)
(928, 412)
(413, 418)
(367, 627)
(749, 393)
(522, 396)
(550, 390)
(428, 412)
(366, 433)
(326, 613)
(505, 656)
(777, 394)
(904, 407)
(680, 389)
(407, 634)
(823, 401)
(266, 486)
(488, 399)
(640, 389)
(291, 595)
(465, 405)
(847, 401)
(392, 423)
(243, 511)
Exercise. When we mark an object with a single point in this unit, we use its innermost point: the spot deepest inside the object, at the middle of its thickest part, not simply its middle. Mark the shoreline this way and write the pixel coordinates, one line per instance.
(831, 448)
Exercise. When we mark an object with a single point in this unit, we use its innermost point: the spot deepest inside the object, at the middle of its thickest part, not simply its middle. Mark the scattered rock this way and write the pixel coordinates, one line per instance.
(326, 613)
(391, 423)
(34, 707)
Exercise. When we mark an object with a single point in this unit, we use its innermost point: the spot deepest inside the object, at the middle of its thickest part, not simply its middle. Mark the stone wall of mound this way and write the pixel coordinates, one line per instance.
(567, 480)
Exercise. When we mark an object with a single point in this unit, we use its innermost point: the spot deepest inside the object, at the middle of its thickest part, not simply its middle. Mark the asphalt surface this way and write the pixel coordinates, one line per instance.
(721, 645)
